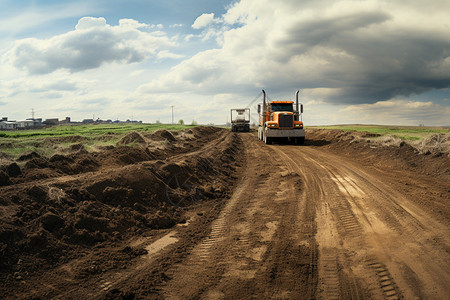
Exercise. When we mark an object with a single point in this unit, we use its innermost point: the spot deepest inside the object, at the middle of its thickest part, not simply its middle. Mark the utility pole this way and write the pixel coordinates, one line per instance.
(172, 113)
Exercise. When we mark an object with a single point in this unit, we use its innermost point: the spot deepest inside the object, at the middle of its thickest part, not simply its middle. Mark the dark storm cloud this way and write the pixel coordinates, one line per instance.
(396, 63)
(304, 35)
(365, 51)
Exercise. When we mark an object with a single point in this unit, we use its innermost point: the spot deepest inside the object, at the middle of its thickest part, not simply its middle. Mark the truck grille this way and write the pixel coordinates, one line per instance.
(286, 121)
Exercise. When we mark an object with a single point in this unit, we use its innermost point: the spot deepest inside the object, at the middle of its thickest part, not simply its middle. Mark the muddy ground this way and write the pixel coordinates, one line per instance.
(206, 213)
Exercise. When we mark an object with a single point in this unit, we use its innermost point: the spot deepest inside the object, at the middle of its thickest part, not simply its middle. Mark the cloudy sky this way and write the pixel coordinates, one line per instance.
(368, 62)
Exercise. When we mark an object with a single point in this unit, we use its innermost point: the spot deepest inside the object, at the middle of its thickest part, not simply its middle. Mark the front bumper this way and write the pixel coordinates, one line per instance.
(284, 132)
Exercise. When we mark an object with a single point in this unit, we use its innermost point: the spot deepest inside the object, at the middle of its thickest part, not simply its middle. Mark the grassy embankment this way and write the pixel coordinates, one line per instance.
(47, 141)
(403, 132)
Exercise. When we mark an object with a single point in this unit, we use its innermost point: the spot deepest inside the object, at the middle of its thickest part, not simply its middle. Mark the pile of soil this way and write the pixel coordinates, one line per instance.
(162, 135)
(434, 144)
(132, 138)
(53, 209)
(388, 152)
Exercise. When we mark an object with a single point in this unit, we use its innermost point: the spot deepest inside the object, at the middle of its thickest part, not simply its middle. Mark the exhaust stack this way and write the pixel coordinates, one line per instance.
(264, 100)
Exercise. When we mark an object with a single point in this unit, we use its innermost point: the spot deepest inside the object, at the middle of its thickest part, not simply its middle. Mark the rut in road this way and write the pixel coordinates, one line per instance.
(262, 244)
(377, 237)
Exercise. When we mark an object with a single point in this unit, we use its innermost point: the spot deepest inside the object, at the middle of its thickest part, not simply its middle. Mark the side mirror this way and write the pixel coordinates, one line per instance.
(259, 108)
(301, 108)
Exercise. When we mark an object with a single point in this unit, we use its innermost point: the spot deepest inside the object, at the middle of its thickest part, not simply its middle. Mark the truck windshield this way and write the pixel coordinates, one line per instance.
(282, 107)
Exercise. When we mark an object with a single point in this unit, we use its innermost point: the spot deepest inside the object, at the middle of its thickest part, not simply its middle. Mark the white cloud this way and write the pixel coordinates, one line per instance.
(92, 44)
(90, 23)
(203, 21)
(398, 112)
(127, 23)
(167, 54)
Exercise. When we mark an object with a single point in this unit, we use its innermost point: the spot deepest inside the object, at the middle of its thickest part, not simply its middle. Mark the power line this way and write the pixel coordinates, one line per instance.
(253, 101)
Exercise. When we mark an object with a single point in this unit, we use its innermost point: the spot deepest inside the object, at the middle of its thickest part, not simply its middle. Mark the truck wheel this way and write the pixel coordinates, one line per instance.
(301, 141)
(268, 140)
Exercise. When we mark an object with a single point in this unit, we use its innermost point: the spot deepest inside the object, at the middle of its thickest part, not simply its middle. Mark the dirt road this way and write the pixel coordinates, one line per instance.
(304, 222)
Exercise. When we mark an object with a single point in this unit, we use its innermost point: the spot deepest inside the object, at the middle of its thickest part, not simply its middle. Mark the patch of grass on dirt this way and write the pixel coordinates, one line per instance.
(89, 130)
(46, 141)
(403, 132)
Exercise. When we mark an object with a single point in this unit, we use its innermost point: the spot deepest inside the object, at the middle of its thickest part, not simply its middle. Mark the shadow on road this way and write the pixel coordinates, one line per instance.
(316, 143)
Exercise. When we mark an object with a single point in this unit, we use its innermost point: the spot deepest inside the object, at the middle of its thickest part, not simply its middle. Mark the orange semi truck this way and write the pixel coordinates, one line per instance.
(280, 120)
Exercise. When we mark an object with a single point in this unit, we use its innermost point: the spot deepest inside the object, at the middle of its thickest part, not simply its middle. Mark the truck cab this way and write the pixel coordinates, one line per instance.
(280, 120)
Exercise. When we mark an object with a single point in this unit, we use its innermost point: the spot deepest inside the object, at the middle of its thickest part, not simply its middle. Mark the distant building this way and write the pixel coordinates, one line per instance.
(8, 125)
(54, 121)
(88, 121)
(65, 121)
(25, 124)
(37, 122)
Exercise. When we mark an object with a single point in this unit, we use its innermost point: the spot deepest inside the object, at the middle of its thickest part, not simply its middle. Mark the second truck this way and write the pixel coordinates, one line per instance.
(280, 120)
(240, 119)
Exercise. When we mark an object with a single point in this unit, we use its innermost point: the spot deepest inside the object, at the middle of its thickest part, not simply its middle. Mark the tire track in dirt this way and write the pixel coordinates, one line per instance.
(374, 220)
(307, 222)
(261, 247)
(315, 194)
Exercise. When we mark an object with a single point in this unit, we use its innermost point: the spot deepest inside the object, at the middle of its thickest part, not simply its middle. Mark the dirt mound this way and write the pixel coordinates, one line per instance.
(76, 159)
(162, 135)
(4, 178)
(59, 164)
(123, 156)
(29, 156)
(47, 219)
(434, 144)
(388, 152)
(12, 169)
(132, 138)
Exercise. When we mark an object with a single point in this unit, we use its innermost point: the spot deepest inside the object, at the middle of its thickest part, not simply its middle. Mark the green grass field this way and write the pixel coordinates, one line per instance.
(88, 130)
(18, 142)
(403, 132)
